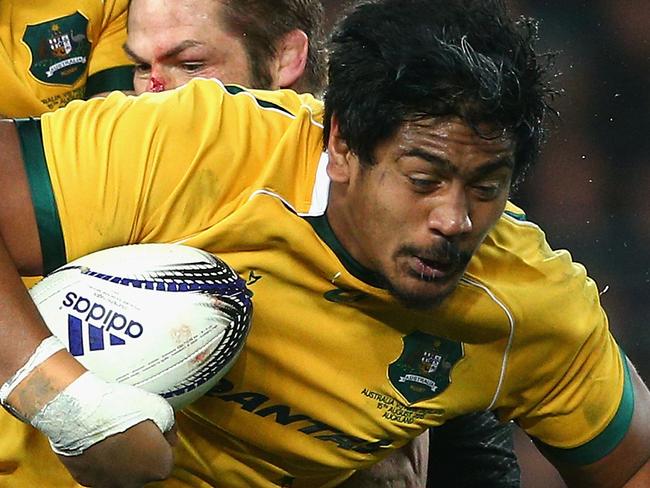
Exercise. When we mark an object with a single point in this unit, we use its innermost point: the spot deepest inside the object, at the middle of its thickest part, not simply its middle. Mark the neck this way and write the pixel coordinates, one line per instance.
(340, 217)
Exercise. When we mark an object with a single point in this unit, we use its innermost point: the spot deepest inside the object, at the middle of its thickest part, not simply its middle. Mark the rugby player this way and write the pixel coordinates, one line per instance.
(428, 294)
(269, 44)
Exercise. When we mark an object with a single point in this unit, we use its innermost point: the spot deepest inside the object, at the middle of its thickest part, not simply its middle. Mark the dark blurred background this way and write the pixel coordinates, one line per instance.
(590, 189)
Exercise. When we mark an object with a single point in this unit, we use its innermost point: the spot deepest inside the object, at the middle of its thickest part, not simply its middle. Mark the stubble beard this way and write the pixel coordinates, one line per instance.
(441, 288)
(419, 301)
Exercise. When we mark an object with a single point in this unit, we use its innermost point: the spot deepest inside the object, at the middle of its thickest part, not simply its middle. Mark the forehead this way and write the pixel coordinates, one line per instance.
(155, 19)
(453, 137)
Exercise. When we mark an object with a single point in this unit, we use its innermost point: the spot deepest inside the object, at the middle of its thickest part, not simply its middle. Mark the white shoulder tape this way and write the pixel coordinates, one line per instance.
(48, 347)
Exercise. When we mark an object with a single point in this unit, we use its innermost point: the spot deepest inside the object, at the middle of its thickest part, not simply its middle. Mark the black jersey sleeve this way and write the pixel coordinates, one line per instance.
(471, 451)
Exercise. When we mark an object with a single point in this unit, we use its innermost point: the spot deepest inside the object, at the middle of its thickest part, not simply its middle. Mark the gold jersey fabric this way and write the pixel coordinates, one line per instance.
(335, 373)
(55, 51)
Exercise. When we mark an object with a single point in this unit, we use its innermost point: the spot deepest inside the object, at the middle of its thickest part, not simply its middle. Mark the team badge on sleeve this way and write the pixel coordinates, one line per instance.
(423, 369)
(59, 49)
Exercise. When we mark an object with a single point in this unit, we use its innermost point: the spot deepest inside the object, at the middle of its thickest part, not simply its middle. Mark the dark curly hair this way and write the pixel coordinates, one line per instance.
(397, 60)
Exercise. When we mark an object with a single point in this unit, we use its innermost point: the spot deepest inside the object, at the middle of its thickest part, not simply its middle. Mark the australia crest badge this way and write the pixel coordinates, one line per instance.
(59, 49)
(423, 370)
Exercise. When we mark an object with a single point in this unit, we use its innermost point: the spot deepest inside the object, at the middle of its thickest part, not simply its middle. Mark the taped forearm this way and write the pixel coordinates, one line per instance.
(83, 413)
(47, 348)
(89, 410)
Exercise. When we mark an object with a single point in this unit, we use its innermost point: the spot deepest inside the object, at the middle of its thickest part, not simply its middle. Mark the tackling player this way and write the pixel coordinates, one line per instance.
(428, 295)
(255, 43)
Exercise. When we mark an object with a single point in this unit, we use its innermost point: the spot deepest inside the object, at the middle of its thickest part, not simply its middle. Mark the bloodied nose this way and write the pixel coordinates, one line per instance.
(156, 85)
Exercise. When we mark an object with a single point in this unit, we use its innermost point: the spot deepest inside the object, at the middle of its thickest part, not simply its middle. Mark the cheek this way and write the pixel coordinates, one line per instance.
(217, 72)
(140, 85)
(400, 211)
(168, 78)
(232, 69)
(486, 216)
(386, 221)
(389, 210)
(231, 72)
(175, 78)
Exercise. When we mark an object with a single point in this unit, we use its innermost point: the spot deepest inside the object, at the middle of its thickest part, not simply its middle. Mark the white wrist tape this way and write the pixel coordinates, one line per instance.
(48, 347)
(89, 410)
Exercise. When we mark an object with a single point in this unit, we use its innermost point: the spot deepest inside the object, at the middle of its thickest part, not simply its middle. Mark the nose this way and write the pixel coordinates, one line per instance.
(449, 214)
(157, 81)
(156, 85)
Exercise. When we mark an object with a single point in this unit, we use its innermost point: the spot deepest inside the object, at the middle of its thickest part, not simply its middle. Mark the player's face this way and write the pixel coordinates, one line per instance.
(172, 42)
(417, 216)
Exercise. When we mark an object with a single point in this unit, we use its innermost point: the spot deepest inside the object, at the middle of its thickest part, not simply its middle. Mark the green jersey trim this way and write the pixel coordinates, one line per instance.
(118, 78)
(517, 216)
(47, 215)
(236, 90)
(608, 439)
(322, 227)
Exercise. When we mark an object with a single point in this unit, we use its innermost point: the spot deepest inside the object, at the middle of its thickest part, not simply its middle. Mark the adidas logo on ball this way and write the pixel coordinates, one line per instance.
(168, 318)
(93, 314)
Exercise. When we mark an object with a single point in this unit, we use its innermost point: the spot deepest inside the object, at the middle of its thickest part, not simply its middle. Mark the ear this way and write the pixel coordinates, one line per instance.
(341, 158)
(292, 51)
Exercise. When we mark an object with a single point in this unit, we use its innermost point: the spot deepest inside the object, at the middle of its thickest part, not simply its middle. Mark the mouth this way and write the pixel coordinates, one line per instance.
(425, 276)
(430, 270)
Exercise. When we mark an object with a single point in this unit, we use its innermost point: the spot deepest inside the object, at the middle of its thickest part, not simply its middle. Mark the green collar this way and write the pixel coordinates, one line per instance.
(322, 227)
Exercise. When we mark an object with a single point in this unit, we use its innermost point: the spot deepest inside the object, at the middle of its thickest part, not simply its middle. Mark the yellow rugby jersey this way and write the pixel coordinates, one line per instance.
(335, 374)
(54, 51)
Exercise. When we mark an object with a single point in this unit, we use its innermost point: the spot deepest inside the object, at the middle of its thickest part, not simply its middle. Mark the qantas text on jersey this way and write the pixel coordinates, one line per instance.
(259, 404)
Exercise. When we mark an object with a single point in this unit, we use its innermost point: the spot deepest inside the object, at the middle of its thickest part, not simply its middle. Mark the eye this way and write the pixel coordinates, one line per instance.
(192, 67)
(423, 183)
(488, 191)
(142, 68)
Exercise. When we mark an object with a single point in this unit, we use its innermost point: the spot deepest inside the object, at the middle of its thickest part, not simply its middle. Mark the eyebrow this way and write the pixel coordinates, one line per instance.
(179, 48)
(447, 165)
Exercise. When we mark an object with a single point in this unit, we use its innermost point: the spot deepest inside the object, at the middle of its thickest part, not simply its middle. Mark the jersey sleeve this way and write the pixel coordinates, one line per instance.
(109, 68)
(158, 167)
(567, 377)
(610, 432)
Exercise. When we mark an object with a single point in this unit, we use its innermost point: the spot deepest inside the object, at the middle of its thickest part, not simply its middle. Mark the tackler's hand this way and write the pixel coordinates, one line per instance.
(126, 460)
(118, 437)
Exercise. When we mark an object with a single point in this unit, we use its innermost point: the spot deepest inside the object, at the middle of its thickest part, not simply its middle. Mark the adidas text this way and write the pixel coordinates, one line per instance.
(97, 313)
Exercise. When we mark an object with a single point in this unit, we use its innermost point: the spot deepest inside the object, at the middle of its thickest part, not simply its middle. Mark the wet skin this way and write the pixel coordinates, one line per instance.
(419, 213)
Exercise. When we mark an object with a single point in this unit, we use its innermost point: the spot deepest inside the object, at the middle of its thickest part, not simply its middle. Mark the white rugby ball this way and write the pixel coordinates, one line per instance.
(168, 318)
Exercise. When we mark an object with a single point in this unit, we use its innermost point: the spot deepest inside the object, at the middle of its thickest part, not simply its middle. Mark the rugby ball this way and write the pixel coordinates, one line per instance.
(168, 318)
